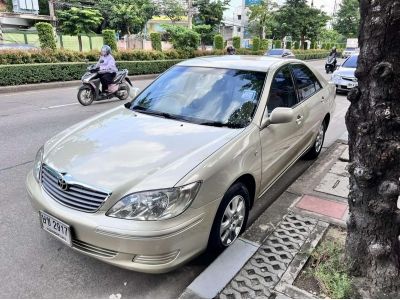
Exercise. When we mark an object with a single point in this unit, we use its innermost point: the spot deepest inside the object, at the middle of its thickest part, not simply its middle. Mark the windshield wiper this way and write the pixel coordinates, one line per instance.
(220, 124)
(156, 113)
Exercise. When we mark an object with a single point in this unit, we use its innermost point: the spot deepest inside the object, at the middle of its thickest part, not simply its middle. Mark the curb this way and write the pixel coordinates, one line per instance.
(59, 84)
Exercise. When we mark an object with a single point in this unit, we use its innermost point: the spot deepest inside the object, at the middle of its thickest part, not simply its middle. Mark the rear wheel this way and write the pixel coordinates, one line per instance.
(85, 95)
(315, 150)
(123, 91)
(231, 218)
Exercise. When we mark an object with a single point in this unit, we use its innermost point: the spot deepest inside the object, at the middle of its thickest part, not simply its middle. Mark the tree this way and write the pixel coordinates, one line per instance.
(205, 32)
(79, 21)
(126, 16)
(373, 123)
(261, 18)
(156, 41)
(300, 21)
(330, 36)
(210, 12)
(347, 19)
(173, 9)
(183, 38)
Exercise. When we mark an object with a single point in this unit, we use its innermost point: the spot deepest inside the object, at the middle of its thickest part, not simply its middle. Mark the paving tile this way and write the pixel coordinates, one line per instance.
(334, 184)
(322, 206)
(340, 168)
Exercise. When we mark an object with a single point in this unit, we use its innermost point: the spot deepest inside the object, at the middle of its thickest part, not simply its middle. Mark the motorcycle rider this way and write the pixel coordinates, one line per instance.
(334, 54)
(231, 50)
(108, 68)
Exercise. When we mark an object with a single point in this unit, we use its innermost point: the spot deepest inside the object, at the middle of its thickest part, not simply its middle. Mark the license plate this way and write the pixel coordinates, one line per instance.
(55, 227)
(352, 84)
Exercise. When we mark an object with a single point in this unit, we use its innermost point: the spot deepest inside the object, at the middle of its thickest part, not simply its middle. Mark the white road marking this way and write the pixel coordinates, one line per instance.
(62, 105)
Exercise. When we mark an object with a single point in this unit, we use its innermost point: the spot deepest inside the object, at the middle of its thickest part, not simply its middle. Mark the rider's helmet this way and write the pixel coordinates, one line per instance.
(105, 50)
(231, 50)
(333, 49)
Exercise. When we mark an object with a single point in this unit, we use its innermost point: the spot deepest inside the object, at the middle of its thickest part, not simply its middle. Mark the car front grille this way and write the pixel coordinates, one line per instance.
(94, 250)
(73, 195)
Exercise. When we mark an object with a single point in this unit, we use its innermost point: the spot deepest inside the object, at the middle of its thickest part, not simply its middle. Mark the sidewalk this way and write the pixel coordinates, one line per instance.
(269, 256)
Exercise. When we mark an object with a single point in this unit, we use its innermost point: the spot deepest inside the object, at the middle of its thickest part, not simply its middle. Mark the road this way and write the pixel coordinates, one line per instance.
(34, 265)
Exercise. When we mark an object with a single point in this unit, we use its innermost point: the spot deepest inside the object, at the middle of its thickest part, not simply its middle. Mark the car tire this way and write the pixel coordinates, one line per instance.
(231, 218)
(316, 148)
(85, 95)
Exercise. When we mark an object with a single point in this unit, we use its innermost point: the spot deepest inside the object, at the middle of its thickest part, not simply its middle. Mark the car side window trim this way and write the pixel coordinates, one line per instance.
(297, 88)
(269, 92)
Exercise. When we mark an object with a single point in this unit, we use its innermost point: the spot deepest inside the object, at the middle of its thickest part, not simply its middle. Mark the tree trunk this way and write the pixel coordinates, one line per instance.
(302, 39)
(80, 43)
(373, 123)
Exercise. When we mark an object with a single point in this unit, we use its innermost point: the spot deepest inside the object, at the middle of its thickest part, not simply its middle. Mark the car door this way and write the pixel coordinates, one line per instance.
(313, 96)
(278, 141)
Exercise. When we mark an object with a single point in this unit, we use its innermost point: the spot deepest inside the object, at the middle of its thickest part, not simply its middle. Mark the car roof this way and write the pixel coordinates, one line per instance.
(239, 62)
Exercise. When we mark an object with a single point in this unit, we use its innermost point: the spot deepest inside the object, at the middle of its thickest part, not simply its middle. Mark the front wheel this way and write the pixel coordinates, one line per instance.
(85, 95)
(231, 218)
(123, 91)
(315, 150)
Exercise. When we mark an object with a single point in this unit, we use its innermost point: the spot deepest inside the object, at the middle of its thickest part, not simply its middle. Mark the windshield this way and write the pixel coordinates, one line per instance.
(275, 52)
(351, 62)
(208, 96)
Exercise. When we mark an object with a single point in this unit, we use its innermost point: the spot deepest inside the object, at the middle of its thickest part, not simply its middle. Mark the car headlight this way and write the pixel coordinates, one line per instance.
(37, 165)
(336, 77)
(155, 205)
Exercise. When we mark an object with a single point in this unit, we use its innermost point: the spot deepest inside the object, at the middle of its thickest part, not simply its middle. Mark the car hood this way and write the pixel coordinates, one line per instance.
(347, 72)
(122, 148)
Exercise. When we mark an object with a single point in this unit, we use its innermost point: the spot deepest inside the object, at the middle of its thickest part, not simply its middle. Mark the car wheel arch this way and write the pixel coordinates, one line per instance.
(249, 181)
(327, 119)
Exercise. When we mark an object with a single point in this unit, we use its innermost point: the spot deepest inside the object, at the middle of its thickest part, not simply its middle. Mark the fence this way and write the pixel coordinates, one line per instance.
(93, 42)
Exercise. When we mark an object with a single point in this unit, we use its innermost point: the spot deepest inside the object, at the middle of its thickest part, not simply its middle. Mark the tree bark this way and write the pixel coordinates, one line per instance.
(80, 43)
(373, 123)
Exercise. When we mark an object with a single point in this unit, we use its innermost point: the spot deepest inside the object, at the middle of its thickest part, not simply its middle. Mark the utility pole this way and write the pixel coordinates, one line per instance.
(190, 13)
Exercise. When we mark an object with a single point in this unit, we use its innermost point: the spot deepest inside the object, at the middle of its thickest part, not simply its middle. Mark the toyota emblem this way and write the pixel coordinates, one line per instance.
(62, 184)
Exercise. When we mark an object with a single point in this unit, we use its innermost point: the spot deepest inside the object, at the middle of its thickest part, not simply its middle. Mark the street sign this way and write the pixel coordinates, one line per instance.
(252, 2)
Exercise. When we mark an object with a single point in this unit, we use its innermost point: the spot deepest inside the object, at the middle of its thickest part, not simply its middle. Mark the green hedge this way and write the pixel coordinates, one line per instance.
(36, 73)
(256, 44)
(46, 36)
(155, 41)
(109, 39)
(236, 42)
(218, 42)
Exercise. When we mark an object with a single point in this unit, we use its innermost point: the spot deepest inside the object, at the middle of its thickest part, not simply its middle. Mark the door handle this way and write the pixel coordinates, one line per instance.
(299, 119)
(323, 99)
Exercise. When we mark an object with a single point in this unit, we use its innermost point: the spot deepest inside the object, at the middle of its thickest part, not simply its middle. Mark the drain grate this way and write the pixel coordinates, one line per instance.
(265, 268)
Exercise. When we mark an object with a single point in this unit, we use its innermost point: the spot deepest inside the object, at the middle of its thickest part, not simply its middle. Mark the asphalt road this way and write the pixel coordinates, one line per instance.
(35, 265)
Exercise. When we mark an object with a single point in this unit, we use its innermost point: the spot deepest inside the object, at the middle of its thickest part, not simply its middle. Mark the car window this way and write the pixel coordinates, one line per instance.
(275, 52)
(351, 62)
(306, 82)
(282, 92)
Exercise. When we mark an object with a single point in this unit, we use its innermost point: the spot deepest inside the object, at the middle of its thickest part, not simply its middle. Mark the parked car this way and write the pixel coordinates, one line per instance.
(17, 47)
(344, 77)
(284, 53)
(150, 184)
(349, 51)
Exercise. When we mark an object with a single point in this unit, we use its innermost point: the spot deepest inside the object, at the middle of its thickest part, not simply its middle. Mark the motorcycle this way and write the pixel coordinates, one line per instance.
(330, 64)
(90, 89)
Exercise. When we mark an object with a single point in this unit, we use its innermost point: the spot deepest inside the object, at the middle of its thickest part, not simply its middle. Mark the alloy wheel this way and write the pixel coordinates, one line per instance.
(232, 220)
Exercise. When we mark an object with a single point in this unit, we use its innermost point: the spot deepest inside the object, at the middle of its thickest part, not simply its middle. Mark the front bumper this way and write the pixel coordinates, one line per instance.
(145, 246)
(343, 84)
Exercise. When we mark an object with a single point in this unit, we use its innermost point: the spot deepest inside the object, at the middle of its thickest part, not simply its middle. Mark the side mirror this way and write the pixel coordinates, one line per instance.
(285, 54)
(279, 115)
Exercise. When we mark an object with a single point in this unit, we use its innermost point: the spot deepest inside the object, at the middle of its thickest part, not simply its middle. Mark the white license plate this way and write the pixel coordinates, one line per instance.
(351, 85)
(55, 227)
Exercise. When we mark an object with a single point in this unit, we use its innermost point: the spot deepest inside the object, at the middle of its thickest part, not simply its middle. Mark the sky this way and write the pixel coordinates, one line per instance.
(325, 5)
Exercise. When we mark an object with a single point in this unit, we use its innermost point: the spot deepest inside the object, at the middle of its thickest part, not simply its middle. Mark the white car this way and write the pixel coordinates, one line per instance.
(344, 77)
(349, 51)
